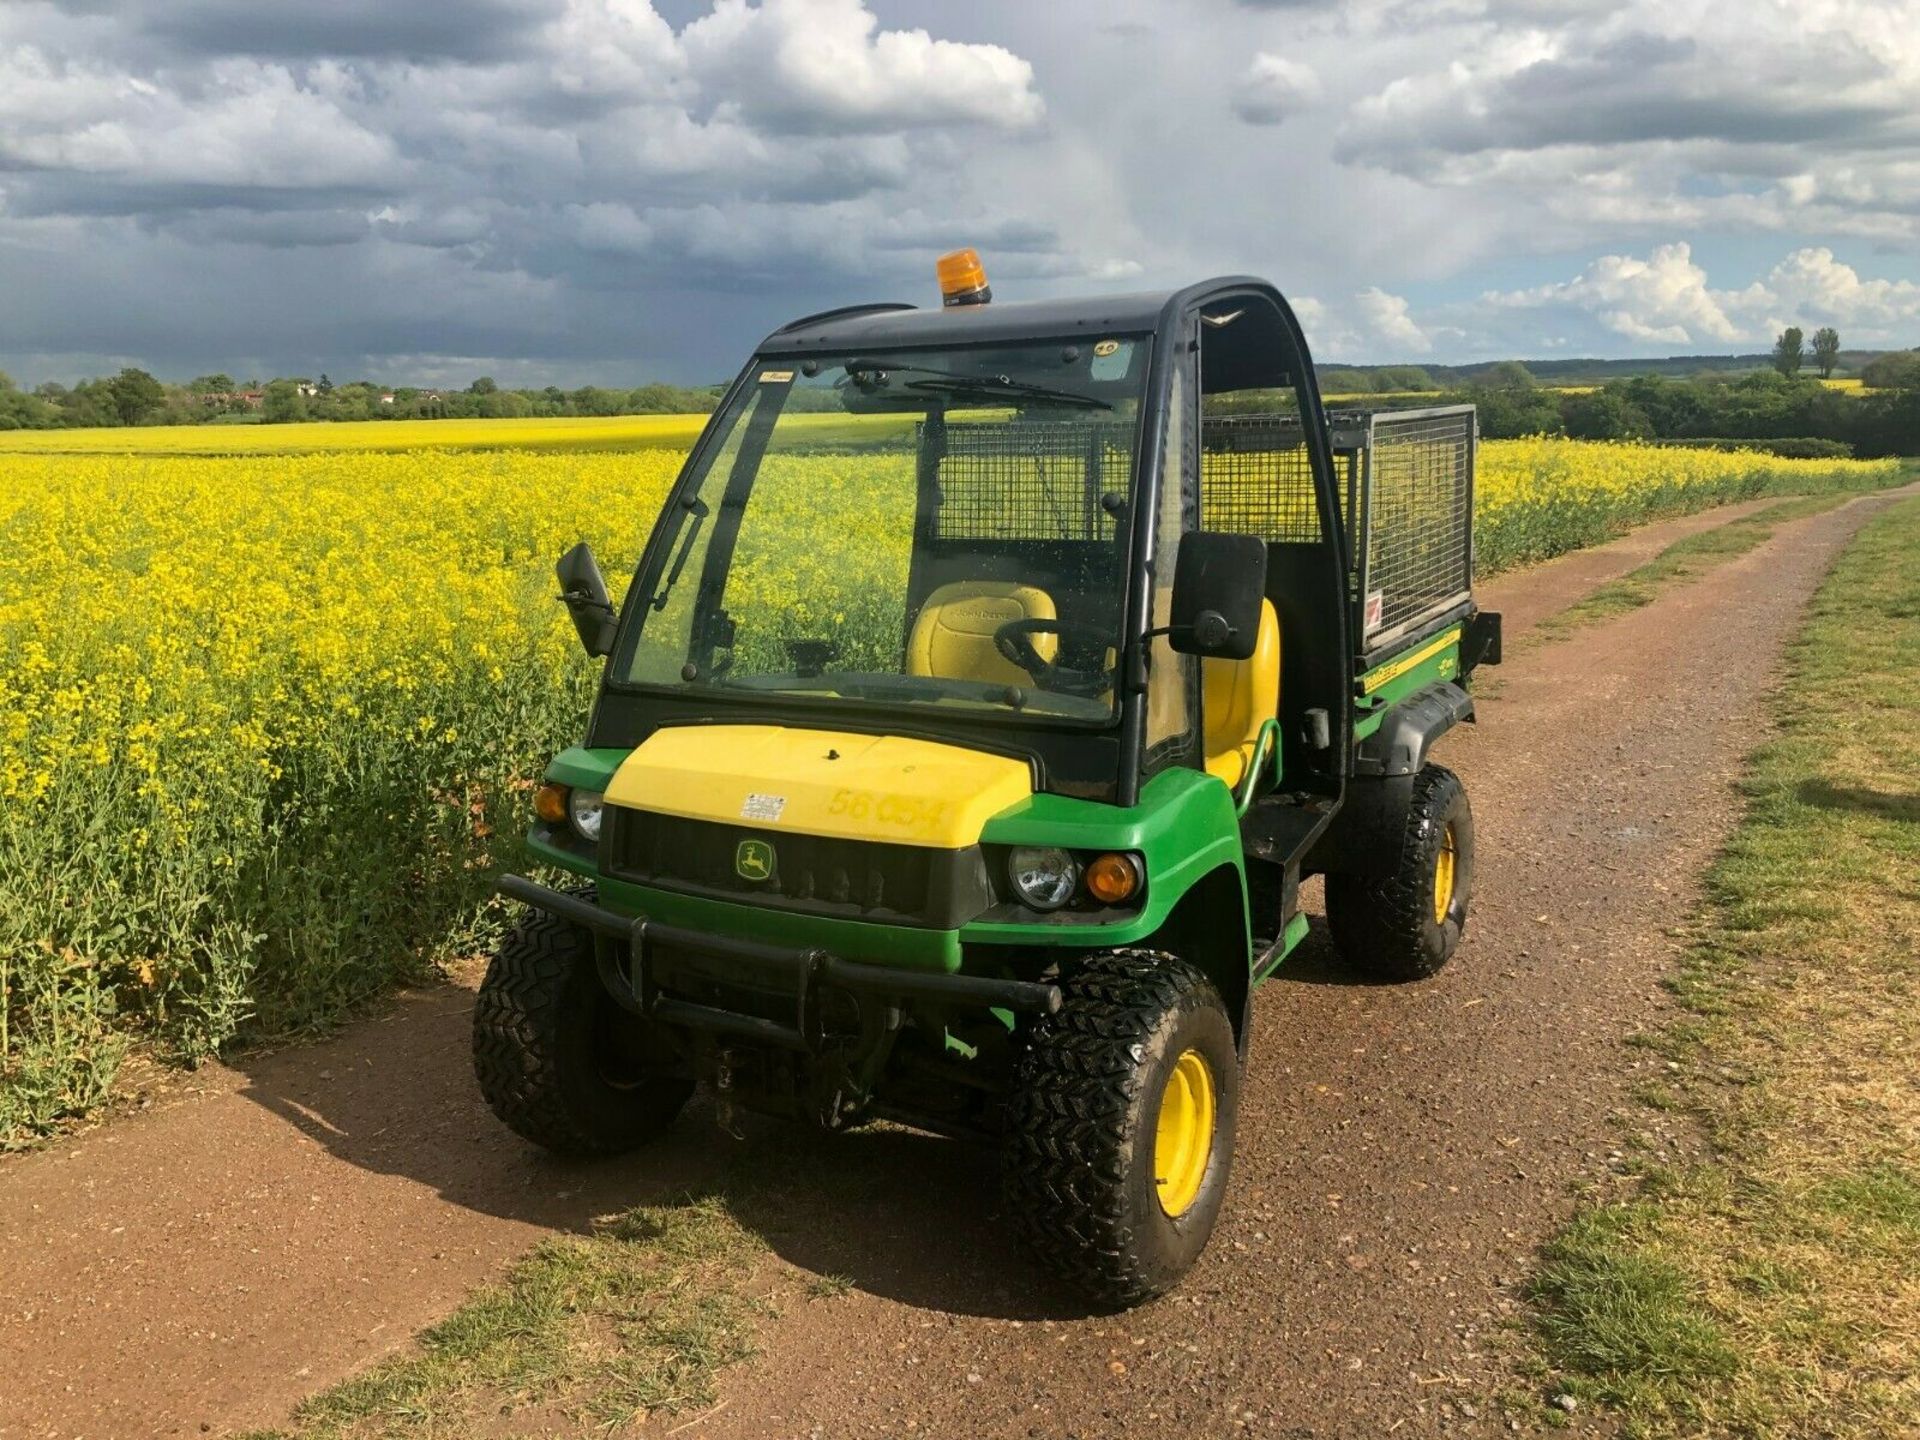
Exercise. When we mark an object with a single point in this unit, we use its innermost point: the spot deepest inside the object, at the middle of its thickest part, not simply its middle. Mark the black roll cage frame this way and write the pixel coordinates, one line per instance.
(625, 711)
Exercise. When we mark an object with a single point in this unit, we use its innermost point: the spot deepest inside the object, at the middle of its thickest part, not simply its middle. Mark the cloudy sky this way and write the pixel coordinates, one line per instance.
(607, 190)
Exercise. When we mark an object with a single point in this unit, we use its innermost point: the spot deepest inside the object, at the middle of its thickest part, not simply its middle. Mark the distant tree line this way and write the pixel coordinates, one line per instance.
(1764, 405)
(134, 397)
(1777, 404)
(1782, 406)
(1823, 353)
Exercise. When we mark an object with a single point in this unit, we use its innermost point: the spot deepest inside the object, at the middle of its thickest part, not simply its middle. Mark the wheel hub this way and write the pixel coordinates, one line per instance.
(1183, 1136)
(1443, 876)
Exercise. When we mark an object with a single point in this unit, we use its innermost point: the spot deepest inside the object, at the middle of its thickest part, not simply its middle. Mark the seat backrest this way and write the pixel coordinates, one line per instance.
(1238, 697)
(953, 633)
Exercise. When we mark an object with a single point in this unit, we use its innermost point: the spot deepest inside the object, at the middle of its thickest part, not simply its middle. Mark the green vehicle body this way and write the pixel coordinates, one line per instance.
(1221, 864)
(1184, 828)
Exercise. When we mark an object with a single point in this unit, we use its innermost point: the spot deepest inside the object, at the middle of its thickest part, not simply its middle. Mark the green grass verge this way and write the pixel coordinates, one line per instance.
(1763, 1280)
(585, 1335)
(589, 1335)
(1686, 559)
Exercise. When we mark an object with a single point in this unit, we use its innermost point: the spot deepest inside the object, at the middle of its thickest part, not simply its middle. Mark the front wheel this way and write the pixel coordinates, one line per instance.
(557, 1059)
(1120, 1126)
(1406, 924)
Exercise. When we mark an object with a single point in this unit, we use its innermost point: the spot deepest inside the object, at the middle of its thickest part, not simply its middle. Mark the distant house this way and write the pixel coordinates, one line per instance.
(386, 397)
(307, 389)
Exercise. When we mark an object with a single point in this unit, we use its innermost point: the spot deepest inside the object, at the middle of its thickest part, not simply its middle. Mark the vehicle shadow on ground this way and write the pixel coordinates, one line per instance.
(899, 1213)
(902, 1214)
(1316, 962)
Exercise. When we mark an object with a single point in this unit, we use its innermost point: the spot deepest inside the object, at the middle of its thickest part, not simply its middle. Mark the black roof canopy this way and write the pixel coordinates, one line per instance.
(897, 326)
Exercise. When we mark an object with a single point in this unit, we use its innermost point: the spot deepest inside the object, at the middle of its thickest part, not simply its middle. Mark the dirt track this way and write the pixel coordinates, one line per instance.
(1402, 1149)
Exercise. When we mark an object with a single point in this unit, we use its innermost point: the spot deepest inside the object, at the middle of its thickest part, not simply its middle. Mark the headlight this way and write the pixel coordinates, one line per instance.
(1044, 876)
(583, 808)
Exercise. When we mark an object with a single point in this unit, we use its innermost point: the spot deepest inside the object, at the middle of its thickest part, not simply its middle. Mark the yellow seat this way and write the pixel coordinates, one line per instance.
(953, 634)
(1237, 698)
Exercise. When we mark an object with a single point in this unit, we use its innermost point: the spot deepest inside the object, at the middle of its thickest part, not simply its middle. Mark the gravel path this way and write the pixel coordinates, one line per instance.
(284, 1222)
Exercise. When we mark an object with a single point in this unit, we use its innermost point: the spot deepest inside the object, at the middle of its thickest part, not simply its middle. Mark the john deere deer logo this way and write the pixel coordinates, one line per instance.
(753, 860)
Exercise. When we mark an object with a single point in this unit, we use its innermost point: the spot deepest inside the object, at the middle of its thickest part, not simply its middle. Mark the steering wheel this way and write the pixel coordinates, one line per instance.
(1014, 641)
(810, 656)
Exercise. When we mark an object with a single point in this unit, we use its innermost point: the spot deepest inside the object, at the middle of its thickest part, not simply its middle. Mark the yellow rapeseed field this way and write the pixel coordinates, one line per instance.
(265, 722)
(1541, 497)
(592, 433)
(610, 432)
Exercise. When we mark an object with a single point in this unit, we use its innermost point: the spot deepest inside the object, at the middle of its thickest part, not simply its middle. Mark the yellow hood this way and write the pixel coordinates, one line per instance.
(821, 782)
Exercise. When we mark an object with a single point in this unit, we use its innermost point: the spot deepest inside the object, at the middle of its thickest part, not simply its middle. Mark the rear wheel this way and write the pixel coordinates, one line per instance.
(1406, 924)
(558, 1060)
(1120, 1126)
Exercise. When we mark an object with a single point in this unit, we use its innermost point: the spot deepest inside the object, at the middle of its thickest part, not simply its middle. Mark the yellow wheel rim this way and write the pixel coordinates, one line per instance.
(1443, 871)
(1183, 1136)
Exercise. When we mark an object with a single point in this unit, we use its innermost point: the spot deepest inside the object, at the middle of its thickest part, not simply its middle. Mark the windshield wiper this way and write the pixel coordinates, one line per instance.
(952, 382)
(965, 387)
(888, 689)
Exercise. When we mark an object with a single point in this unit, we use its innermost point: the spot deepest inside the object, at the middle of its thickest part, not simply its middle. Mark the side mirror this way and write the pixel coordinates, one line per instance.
(584, 592)
(1219, 581)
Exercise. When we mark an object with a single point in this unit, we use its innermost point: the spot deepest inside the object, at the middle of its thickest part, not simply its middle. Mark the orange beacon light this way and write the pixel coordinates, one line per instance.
(963, 280)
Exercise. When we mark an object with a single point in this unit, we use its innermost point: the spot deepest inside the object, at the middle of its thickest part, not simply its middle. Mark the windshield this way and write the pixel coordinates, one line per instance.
(939, 528)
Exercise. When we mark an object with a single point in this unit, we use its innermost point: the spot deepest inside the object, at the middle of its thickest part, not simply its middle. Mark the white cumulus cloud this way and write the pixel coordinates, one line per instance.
(244, 124)
(1812, 285)
(1273, 89)
(827, 62)
(1662, 298)
(1386, 320)
(1766, 115)
(1371, 325)
(1666, 298)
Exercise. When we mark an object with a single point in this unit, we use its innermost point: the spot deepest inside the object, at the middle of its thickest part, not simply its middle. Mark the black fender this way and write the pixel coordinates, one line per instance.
(1399, 746)
(1364, 837)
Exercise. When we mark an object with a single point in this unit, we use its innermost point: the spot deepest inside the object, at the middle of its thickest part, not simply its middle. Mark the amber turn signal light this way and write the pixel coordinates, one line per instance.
(963, 279)
(1113, 878)
(550, 803)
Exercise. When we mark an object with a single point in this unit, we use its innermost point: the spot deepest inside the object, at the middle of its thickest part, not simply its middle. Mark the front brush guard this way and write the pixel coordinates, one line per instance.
(807, 969)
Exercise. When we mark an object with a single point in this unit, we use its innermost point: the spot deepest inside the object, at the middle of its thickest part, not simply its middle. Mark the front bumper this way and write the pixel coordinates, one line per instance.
(623, 952)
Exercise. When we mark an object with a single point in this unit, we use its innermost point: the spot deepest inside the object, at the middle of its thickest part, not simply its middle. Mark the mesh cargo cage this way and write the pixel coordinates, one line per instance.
(1406, 490)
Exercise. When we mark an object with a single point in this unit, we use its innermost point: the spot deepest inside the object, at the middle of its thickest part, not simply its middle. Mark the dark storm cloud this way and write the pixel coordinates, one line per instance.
(1607, 88)
(1564, 105)
(49, 193)
(427, 30)
(480, 177)
(1652, 87)
(273, 230)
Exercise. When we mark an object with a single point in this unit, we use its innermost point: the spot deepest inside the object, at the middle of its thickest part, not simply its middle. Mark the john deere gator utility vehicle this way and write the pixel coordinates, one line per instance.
(988, 685)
